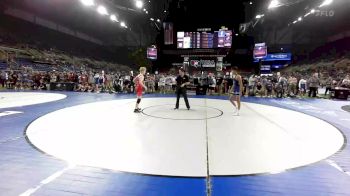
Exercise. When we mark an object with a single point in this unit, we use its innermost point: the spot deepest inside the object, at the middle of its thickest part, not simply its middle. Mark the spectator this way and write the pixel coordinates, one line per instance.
(269, 88)
(2, 78)
(219, 84)
(245, 86)
(313, 84)
(152, 84)
(346, 82)
(251, 85)
(259, 89)
(292, 85)
(281, 85)
(329, 82)
(101, 81)
(91, 79)
(211, 83)
(302, 86)
(96, 79)
(168, 83)
(161, 84)
(53, 77)
(264, 87)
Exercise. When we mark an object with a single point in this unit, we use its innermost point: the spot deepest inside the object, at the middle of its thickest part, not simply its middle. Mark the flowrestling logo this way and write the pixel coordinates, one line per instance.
(202, 63)
(279, 56)
(207, 63)
(324, 13)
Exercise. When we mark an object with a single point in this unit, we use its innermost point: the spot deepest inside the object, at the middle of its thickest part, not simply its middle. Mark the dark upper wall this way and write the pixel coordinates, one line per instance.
(72, 15)
(14, 31)
(313, 32)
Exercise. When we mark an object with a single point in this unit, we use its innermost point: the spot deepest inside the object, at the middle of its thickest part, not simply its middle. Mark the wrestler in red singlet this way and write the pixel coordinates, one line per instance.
(138, 80)
(139, 88)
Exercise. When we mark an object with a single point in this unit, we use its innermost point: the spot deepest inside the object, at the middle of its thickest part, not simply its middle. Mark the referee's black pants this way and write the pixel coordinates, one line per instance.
(312, 91)
(182, 91)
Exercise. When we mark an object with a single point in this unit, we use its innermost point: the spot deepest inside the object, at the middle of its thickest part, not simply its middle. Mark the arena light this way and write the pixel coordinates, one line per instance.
(114, 18)
(139, 4)
(274, 4)
(87, 2)
(102, 10)
(326, 2)
(144, 9)
(158, 20)
(146, 12)
(300, 19)
(313, 11)
(123, 24)
(152, 19)
(295, 21)
(259, 16)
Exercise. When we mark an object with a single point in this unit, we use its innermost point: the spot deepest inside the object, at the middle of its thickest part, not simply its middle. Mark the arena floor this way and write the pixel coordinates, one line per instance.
(93, 144)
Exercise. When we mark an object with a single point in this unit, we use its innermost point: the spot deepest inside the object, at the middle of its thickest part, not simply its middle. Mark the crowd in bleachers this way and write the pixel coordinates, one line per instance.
(23, 67)
(299, 79)
(40, 76)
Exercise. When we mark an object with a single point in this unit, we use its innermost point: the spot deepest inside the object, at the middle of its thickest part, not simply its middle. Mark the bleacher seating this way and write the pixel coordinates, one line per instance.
(3, 65)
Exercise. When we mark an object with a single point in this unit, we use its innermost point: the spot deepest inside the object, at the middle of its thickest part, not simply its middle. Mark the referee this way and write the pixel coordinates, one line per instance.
(181, 81)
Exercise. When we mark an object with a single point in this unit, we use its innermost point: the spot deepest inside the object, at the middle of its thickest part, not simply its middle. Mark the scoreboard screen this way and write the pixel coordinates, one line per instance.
(217, 39)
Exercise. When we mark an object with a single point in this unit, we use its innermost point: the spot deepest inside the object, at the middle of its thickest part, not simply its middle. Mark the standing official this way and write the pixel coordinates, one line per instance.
(182, 81)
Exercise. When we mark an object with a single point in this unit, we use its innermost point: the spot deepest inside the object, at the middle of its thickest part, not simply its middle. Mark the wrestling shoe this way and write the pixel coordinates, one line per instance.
(137, 111)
